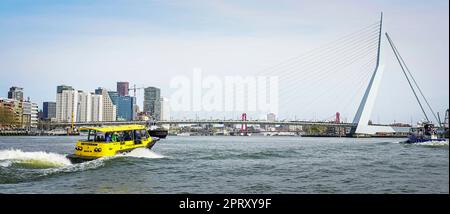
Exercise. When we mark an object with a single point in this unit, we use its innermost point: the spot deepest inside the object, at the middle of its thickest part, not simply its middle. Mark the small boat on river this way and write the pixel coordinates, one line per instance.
(425, 132)
(110, 141)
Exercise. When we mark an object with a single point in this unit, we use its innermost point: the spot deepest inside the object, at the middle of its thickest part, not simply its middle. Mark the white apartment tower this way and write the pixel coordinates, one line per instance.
(165, 109)
(84, 107)
(109, 109)
(34, 115)
(66, 104)
(96, 107)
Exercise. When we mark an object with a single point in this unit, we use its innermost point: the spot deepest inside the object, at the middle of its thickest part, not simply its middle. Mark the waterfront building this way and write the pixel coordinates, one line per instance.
(49, 110)
(165, 109)
(12, 108)
(34, 115)
(96, 107)
(6, 114)
(66, 104)
(152, 107)
(122, 88)
(30, 112)
(25, 115)
(125, 106)
(295, 128)
(15, 93)
(109, 109)
(41, 115)
(84, 107)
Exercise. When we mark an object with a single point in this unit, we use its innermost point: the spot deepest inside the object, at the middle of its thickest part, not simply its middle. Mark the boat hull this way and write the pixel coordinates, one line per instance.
(413, 139)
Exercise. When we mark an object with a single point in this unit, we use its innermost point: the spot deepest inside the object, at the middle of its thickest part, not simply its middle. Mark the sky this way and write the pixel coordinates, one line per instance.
(88, 44)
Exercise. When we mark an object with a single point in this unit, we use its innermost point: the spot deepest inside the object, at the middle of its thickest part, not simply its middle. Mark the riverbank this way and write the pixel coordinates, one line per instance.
(34, 133)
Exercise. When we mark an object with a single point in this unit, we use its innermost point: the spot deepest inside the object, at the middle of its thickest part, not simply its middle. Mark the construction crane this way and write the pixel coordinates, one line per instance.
(446, 119)
(134, 89)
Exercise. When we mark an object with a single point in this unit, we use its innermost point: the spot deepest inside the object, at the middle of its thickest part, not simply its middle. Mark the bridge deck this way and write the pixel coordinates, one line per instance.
(224, 122)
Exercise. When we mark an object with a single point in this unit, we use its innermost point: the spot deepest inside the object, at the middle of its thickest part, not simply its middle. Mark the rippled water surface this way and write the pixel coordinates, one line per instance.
(229, 165)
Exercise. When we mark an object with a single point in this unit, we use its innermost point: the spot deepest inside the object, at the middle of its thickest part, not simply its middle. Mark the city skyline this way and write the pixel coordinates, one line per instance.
(220, 37)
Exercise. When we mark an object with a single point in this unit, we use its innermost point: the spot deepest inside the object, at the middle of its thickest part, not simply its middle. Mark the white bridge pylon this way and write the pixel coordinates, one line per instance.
(364, 112)
(365, 108)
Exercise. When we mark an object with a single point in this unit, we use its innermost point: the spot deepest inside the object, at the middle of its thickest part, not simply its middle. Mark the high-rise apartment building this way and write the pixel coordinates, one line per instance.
(165, 109)
(152, 105)
(125, 106)
(114, 96)
(96, 107)
(122, 88)
(49, 110)
(66, 104)
(84, 107)
(15, 93)
(109, 109)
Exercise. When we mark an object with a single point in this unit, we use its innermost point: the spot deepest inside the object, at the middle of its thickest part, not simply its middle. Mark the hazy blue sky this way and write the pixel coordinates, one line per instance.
(88, 44)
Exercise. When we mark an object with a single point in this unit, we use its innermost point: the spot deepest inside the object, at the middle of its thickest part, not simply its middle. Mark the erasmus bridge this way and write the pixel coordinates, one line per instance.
(358, 52)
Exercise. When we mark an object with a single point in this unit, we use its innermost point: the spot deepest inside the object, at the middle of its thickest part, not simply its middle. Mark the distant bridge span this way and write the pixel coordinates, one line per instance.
(203, 122)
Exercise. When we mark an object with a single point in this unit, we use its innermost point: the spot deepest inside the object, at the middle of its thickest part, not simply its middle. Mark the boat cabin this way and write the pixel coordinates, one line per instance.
(135, 133)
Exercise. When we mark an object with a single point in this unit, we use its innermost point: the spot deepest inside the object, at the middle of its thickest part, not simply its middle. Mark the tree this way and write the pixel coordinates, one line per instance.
(316, 129)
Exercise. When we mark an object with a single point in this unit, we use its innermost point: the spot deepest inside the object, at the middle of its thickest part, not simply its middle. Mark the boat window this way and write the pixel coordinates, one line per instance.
(94, 136)
(144, 134)
(108, 136)
(127, 135)
(137, 135)
(99, 137)
(90, 135)
(115, 137)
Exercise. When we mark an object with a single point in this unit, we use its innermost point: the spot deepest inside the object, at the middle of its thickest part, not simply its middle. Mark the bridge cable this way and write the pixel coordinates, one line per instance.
(404, 72)
(417, 85)
(325, 47)
(330, 52)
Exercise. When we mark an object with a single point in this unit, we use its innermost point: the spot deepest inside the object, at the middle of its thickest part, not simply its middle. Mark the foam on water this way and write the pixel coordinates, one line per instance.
(78, 167)
(54, 162)
(143, 153)
(434, 143)
(97, 163)
(5, 163)
(40, 158)
(24, 166)
(19, 166)
(442, 143)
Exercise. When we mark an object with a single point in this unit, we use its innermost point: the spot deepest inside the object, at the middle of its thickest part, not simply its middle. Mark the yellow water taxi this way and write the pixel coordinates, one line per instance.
(111, 140)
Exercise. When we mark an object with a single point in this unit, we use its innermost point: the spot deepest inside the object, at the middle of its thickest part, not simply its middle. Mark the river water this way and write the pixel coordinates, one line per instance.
(229, 165)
